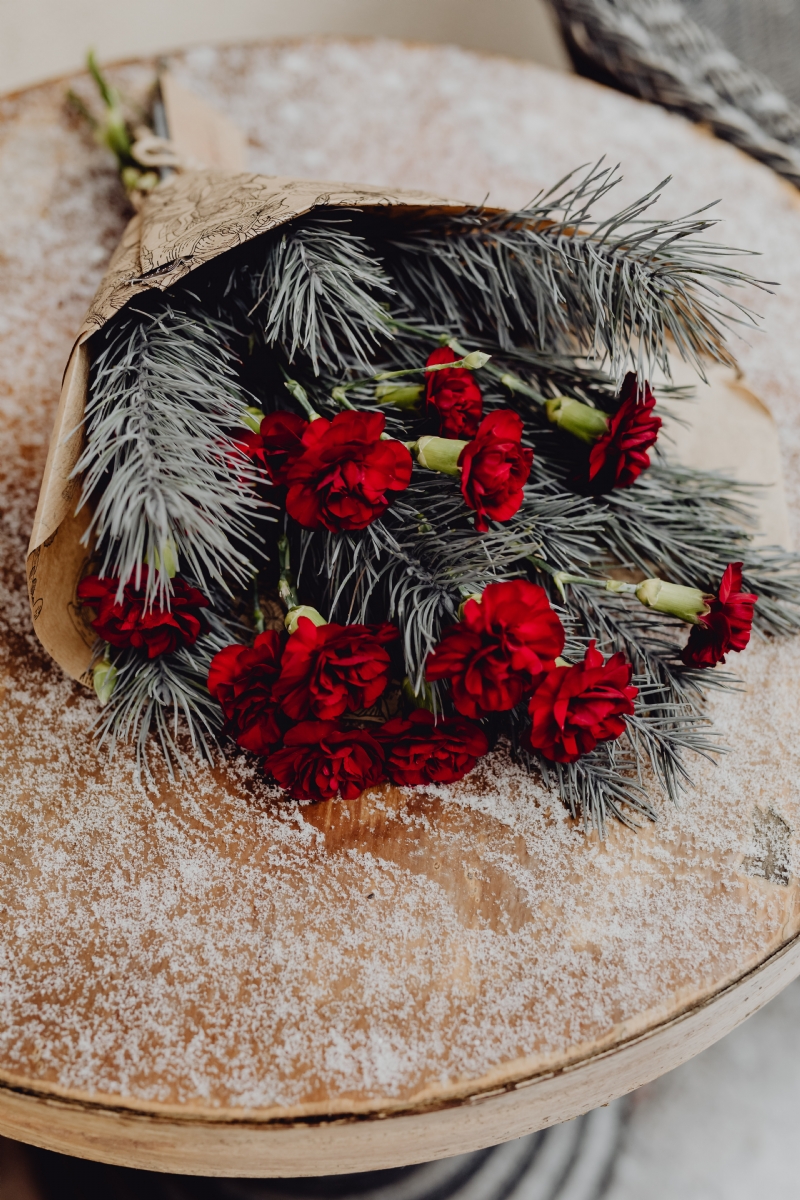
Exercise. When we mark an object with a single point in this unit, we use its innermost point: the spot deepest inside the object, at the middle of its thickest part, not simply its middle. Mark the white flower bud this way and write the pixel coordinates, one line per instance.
(302, 610)
(440, 454)
(252, 418)
(475, 360)
(579, 419)
(104, 678)
(688, 603)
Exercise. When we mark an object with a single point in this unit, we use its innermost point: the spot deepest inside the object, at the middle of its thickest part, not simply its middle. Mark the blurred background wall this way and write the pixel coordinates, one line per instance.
(42, 38)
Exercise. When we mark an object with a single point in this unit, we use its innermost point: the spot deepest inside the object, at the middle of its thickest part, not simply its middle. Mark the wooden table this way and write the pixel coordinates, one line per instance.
(207, 980)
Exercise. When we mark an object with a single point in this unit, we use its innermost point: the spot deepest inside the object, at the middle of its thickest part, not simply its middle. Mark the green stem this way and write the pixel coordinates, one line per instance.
(465, 361)
(507, 378)
(560, 578)
(286, 588)
(298, 393)
(114, 130)
(107, 94)
(423, 333)
(258, 612)
(515, 384)
(338, 394)
(687, 603)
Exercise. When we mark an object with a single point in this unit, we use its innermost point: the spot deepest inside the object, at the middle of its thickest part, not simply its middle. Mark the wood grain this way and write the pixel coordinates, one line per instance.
(284, 1149)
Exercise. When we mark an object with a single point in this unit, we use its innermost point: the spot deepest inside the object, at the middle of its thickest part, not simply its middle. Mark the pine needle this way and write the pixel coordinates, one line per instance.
(161, 468)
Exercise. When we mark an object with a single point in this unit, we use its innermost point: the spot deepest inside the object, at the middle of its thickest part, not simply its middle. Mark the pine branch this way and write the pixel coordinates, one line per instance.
(669, 722)
(612, 780)
(167, 697)
(161, 468)
(598, 786)
(552, 274)
(318, 291)
(774, 575)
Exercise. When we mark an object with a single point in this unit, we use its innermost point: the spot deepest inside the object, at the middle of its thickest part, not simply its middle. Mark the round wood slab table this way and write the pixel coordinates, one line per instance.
(205, 979)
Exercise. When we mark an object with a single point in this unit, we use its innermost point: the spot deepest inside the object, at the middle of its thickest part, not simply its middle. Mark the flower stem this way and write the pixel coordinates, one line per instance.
(258, 612)
(286, 588)
(515, 384)
(470, 360)
(561, 578)
(338, 394)
(687, 603)
(298, 393)
(506, 378)
(114, 130)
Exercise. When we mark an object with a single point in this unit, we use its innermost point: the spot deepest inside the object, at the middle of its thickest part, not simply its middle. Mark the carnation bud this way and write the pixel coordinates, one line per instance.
(302, 610)
(476, 596)
(685, 602)
(104, 678)
(401, 396)
(581, 420)
(164, 559)
(252, 418)
(475, 360)
(440, 454)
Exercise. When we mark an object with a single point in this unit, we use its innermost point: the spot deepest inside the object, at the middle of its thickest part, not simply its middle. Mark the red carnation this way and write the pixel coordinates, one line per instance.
(494, 468)
(419, 751)
(342, 478)
(454, 395)
(130, 622)
(619, 456)
(277, 445)
(500, 648)
(726, 626)
(574, 708)
(242, 680)
(321, 759)
(332, 669)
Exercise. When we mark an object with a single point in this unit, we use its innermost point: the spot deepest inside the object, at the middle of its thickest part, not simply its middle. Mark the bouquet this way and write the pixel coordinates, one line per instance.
(366, 484)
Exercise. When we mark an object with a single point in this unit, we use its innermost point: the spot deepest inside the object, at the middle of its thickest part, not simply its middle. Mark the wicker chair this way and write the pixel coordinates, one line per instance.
(656, 50)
